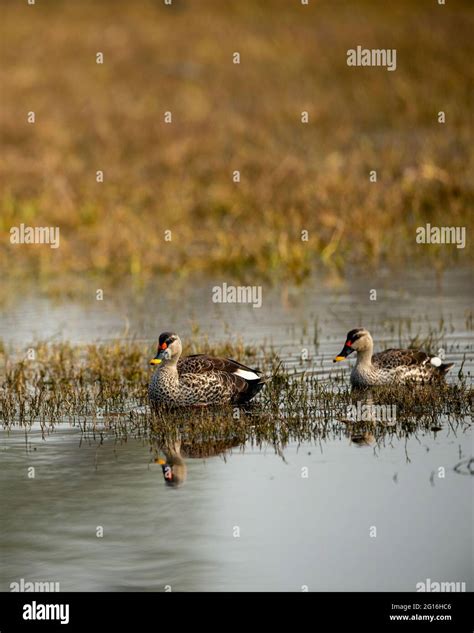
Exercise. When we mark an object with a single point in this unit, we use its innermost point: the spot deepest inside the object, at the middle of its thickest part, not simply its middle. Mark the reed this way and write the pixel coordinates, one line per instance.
(102, 388)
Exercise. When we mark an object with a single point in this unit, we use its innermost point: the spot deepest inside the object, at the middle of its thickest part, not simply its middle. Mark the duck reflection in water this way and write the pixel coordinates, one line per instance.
(174, 467)
(366, 411)
(363, 439)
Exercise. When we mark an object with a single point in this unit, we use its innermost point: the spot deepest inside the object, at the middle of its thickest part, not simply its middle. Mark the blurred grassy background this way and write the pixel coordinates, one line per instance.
(178, 177)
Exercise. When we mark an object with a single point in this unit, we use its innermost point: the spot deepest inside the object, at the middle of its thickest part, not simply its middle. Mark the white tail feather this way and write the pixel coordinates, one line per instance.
(248, 375)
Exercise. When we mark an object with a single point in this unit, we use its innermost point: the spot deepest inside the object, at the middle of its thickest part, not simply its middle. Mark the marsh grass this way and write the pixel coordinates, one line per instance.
(103, 389)
(178, 177)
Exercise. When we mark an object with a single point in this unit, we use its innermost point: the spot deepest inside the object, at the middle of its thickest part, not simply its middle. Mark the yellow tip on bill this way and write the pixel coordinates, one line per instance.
(338, 358)
(155, 361)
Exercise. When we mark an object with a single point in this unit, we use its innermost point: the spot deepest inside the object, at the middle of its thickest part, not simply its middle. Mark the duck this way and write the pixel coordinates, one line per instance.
(392, 366)
(199, 380)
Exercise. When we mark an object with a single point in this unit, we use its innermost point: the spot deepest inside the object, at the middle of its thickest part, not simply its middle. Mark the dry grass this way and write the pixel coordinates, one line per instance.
(178, 177)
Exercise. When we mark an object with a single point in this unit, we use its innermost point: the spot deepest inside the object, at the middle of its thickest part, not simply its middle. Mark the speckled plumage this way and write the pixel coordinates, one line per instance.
(392, 366)
(200, 380)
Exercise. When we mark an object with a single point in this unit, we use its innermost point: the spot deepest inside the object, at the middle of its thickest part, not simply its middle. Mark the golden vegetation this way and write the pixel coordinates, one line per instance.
(228, 117)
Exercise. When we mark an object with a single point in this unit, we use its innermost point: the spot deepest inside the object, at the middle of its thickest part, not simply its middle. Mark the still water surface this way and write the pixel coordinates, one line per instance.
(294, 531)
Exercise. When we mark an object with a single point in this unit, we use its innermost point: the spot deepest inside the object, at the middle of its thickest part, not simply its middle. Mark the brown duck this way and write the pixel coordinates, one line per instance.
(199, 380)
(392, 366)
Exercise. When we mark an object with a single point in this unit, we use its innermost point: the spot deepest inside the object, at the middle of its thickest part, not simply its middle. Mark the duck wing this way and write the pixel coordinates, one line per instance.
(201, 363)
(396, 357)
(228, 377)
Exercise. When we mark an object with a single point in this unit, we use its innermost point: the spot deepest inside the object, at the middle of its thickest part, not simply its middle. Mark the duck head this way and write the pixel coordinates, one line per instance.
(169, 349)
(174, 470)
(357, 340)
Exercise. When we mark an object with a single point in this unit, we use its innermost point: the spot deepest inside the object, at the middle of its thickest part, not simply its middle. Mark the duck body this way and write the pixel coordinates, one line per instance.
(199, 380)
(392, 366)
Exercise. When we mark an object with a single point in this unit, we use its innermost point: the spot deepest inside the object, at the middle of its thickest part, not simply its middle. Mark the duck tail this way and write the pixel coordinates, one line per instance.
(445, 367)
(253, 387)
(261, 378)
(259, 382)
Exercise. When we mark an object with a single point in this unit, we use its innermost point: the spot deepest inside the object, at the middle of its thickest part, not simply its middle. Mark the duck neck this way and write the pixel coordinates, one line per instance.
(364, 357)
(173, 453)
(170, 368)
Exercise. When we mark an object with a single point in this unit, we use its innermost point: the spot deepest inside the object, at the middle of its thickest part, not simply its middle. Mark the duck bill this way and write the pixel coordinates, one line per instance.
(346, 350)
(161, 355)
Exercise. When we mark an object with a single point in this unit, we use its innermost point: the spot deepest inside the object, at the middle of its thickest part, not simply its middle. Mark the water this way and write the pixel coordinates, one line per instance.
(247, 518)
